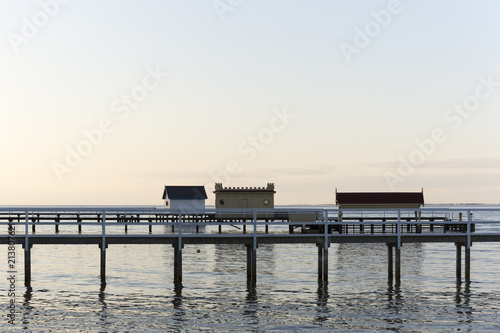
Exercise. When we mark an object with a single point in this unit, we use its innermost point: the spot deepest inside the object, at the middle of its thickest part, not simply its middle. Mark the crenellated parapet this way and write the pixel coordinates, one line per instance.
(219, 187)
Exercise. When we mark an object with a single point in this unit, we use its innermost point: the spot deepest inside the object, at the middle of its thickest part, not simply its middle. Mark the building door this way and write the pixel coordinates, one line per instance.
(244, 203)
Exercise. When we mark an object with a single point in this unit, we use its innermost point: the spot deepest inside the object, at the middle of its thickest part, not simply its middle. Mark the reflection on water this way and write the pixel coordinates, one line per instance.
(237, 255)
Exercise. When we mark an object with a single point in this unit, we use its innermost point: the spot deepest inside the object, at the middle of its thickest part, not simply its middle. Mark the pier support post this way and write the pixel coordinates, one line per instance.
(398, 265)
(103, 265)
(459, 261)
(322, 263)
(177, 264)
(325, 264)
(251, 265)
(27, 265)
(394, 263)
(467, 264)
(390, 262)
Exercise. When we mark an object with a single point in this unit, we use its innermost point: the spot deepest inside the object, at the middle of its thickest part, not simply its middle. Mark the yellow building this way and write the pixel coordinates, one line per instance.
(244, 198)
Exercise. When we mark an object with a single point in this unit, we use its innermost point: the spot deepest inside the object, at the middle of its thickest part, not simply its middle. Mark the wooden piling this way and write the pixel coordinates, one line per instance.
(390, 262)
(103, 265)
(467, 264)
(459, 261)
(322, 263)
(251, 265)
(27, 265)
(325, 264)
(398, 265)
(177, 264)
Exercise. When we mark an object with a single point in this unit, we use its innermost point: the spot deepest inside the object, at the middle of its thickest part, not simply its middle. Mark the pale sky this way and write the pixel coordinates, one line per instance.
(105, 102)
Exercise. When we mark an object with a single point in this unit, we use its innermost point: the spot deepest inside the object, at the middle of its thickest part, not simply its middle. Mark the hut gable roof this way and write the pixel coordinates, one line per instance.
(184, 192)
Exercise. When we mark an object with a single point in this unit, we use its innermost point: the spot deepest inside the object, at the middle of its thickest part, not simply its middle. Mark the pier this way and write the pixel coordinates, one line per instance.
(104, 227)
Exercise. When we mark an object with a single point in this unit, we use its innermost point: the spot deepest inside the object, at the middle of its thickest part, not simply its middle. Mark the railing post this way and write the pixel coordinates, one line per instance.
(79, 221)
(180, 231)
(469, 217)
(26, 230)
(57, 220)
(33, 227)
(255, 230)
(325, 221)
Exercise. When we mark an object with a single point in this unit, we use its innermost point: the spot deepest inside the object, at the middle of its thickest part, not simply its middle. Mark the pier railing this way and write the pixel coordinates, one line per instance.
(105, 226)
(238, 222)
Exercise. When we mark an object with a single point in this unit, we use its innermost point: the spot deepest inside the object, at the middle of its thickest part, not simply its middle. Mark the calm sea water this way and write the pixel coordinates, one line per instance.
(140, 295)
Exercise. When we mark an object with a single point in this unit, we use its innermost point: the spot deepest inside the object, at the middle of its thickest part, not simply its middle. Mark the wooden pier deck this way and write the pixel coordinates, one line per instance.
(103, 227)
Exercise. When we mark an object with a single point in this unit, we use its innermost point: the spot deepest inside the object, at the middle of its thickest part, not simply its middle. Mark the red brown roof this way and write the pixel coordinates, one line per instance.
(379, 198)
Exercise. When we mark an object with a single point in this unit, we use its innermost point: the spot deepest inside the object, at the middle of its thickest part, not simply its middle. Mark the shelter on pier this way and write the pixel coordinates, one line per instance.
(389, 200)
(190, 199)
(244, 197)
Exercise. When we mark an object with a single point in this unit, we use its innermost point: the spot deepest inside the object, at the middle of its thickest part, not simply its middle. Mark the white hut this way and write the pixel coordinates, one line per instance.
(186, 199)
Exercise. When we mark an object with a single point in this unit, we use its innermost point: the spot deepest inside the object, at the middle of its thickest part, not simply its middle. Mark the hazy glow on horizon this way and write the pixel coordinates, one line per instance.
(264, 95)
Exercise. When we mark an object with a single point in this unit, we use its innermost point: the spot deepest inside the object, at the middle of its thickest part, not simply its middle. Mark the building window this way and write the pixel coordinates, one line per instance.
(222, 202)
(266, 202)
